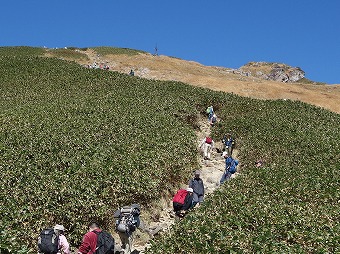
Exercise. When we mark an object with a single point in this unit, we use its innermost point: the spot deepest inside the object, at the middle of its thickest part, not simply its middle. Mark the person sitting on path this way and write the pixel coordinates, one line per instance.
(198, 189)
(230, 167)
(182, 201)
(207, 144)
(228, 143)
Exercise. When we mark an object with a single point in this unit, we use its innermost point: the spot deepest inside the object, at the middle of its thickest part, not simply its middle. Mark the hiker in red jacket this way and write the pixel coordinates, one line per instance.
(182, 201)
(207, 144)
(89, 244)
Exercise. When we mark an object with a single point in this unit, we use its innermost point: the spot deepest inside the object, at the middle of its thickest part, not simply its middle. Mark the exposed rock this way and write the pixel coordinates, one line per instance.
(296, 74)
(278, 74)
(273, 71)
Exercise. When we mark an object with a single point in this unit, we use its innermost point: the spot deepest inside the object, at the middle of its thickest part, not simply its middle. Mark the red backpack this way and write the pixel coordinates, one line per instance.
(208, 140)
(180, 196)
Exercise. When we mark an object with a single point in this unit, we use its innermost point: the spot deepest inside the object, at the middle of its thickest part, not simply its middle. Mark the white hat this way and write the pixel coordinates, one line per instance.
(224, 154)
(190, 190)
(59, 227)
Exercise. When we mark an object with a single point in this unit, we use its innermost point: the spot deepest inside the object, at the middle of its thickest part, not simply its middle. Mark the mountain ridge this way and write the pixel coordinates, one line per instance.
(217, 78)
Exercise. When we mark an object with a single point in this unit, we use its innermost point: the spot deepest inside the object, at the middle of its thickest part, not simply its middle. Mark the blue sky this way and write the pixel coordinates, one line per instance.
(300, 33)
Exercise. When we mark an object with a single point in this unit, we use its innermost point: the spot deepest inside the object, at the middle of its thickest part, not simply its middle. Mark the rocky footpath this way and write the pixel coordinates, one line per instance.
(211, 172)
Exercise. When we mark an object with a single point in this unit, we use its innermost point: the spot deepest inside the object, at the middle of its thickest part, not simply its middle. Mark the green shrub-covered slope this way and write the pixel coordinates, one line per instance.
(291, 205)
(76, 143)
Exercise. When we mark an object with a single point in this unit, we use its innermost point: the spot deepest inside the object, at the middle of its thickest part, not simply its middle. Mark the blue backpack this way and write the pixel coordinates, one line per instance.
(232, 167)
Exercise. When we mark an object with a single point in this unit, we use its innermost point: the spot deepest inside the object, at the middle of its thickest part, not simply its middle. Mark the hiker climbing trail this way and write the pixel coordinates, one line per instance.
(211, 172)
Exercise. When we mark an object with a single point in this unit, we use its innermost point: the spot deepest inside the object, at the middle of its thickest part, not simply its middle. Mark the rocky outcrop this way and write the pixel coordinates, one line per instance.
(274, 71)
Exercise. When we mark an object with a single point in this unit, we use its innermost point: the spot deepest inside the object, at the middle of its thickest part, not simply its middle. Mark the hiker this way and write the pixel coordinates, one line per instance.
(63, 244)
(210, 112)
(228, 143)
(127, 222)
(48, 244)
(207, 144)
(259, 163)
(230, 167)
(96, 241)
(213, 120)
(198, 189)
(182, 201)
(132, 73)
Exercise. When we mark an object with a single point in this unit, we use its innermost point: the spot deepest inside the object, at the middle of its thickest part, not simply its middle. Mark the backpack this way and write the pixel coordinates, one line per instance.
(180, 196)
(128, 219)
(105, 243)
(48, 241)
(232, 167)
(208, 110)
(208, 140)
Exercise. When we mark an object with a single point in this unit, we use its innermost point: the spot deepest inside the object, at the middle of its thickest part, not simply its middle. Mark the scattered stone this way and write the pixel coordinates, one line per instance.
(274, 71)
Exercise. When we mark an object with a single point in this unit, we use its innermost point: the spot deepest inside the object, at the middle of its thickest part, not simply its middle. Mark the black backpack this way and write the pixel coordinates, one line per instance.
(48, 241)
(105, 243)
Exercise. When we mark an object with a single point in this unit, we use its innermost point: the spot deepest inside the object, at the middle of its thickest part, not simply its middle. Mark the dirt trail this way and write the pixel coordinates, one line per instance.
(211, 172)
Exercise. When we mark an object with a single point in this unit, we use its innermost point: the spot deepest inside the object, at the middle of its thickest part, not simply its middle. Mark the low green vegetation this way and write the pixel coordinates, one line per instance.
(103, 51)
(21, 51)
(68, 54)
(291, 205)
(76, 143)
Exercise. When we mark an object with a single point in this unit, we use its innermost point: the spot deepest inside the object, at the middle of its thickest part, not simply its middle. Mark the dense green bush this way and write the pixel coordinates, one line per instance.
(21, 51)
(291, 205)
(77, 143)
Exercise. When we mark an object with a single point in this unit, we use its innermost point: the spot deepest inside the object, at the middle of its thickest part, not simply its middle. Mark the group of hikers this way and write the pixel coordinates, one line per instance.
(53, 240)
(96, 240)
(190, 197)
(95, 65)
(193, 196)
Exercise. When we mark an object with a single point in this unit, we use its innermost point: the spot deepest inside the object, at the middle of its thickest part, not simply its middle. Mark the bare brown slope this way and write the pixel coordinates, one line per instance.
(220, 79)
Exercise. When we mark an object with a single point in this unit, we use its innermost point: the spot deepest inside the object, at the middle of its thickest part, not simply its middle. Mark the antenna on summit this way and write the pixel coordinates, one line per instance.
(156, 50)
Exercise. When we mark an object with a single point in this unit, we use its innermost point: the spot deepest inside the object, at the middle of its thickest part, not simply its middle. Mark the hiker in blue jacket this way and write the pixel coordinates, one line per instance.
(228, 143)
(230, 167)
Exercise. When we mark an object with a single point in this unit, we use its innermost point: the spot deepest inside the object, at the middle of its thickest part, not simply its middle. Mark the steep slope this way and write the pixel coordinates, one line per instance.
(218, 78)
(58, 117)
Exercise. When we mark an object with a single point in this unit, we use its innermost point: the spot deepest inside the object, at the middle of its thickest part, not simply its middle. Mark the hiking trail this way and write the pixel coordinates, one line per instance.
(211, 172)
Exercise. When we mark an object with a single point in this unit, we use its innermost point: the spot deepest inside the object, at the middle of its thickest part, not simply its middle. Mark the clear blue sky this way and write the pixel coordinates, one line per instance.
(300, 33)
